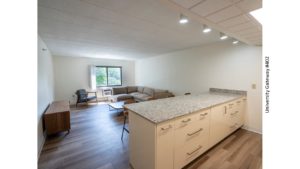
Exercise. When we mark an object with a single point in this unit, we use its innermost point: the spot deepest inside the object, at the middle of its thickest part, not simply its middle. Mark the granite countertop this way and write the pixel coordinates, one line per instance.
(161, 110)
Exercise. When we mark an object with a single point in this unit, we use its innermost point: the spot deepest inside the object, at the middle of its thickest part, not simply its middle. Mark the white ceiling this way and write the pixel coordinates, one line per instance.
(124, 29)
(229, 16)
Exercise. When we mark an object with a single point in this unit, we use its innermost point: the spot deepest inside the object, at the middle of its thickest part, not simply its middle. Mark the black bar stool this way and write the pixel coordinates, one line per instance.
(125, 114)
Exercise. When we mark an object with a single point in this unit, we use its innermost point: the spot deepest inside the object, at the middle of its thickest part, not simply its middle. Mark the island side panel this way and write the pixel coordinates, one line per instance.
(141, 142)
(165, 145)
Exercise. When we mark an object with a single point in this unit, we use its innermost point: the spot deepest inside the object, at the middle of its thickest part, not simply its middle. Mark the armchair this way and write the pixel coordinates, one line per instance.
(82, 96)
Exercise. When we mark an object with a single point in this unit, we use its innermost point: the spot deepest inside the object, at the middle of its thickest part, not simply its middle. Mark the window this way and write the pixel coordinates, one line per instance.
(108, 76)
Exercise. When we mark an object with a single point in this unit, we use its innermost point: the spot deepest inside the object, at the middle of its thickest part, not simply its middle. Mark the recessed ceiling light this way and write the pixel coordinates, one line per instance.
(258, 15)
(235, 42)
(206, 29)
(223, 36)
(183, 19)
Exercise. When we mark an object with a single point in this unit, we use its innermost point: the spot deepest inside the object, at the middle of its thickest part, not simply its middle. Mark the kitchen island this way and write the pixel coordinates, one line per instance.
(170, 133)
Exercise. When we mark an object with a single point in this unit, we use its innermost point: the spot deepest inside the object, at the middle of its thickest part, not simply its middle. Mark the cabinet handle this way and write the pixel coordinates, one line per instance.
(225, 109)
(234, 113)
(190, 134)
(244, 99)
(203, 114)
(194, 151)
(167, 128)
(185, 121)
(238, 102)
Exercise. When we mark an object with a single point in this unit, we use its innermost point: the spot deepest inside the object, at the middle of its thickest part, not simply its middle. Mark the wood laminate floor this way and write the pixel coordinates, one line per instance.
(94, 142)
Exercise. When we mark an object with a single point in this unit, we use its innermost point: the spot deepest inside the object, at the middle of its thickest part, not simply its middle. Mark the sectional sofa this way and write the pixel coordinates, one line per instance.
(138, 93)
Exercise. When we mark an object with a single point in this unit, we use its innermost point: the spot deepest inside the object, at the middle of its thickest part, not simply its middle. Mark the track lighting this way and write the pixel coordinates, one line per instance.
(235, 42)
(223, 36)
(183, 19)
(206, 29)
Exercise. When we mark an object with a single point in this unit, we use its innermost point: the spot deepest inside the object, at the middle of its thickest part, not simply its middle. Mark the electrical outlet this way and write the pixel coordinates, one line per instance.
(253, 86)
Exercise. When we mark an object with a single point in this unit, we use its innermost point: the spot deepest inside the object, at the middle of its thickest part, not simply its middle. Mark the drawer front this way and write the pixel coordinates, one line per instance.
(234, 121)
(164, 129)
(185, 122)
(197, 128)
(203, 116)
(189, 152)
(230, 108)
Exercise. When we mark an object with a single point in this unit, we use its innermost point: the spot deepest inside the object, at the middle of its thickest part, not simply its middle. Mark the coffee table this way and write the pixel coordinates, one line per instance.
(117, 105)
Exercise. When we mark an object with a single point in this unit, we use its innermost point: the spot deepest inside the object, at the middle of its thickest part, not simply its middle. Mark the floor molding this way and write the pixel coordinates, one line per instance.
(251, 129)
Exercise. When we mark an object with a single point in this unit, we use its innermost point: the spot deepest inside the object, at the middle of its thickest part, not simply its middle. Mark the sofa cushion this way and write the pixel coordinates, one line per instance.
(141, 96)
(140, 89)
(135, 93)
(149, 91)
(119, 90)
(145, 98)
(122, 97)
(131, 89)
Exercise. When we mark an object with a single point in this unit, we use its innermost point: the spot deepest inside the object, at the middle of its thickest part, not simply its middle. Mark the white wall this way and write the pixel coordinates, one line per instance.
(45, 87)
(219, 65)
(72, 73)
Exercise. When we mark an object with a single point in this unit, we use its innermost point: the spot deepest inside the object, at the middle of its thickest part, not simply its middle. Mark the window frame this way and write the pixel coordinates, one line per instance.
(106, 67)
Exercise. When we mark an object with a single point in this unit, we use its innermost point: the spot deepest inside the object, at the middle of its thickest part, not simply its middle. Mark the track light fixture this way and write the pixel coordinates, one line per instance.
(183, 19)
(223, 36)
(206, 29)
(235, 42)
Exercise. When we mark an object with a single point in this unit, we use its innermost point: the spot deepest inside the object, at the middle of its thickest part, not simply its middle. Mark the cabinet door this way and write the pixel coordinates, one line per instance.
(164, 146)
(219, 124)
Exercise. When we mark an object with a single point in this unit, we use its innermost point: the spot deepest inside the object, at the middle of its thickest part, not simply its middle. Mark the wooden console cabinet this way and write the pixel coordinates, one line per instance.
(57, 117)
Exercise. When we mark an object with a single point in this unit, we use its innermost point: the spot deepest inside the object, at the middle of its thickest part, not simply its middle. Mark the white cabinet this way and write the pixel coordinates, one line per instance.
(191, 137)
(225, 119)
(175, 143)
(219, 126)
(164, 145)
(236, 117)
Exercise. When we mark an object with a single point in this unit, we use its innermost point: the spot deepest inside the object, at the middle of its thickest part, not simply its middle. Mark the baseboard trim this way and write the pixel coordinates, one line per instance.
(251, 129)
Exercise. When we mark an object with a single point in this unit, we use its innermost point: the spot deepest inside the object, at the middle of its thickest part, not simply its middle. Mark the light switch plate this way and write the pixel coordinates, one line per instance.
(253, 86)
